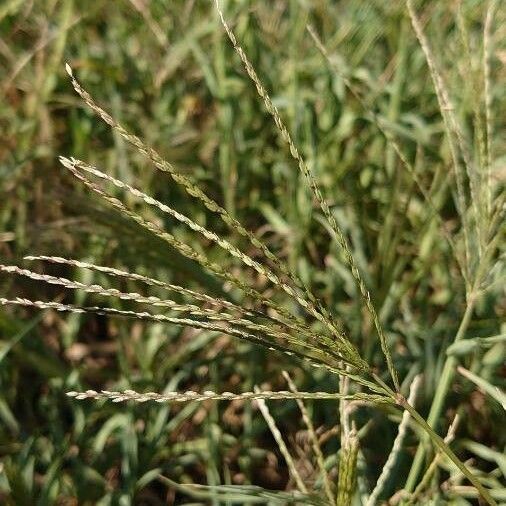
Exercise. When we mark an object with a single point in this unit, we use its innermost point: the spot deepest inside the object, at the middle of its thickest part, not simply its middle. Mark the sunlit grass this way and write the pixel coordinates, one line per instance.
(344, 213)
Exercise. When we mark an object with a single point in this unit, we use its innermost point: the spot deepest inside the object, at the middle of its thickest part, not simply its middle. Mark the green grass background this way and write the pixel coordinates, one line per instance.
(167, 71)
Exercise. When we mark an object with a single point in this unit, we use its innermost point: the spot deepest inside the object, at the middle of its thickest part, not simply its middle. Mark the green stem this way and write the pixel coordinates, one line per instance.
(451, 362)
(439, 397)
(438, 441)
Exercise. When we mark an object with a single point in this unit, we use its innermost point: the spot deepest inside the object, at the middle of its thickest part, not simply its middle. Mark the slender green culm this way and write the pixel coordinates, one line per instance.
(389, 465)
(276, 433)
(441, 445)
(433, 465)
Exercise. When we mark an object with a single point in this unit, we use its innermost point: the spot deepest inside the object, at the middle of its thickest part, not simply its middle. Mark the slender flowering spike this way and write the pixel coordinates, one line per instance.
(200, 324)
(210, 204)
(181, 247)
(343, 346)
(190, 309)
(189, 396)
(226, 245)
(487, 52)
(203, 297)
(312, 183)
(373, 116)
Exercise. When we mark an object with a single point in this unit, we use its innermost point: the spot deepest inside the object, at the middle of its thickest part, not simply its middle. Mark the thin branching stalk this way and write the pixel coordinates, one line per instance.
(389, 465)
(449, 367)
(450, 124)
(442, 446)
(281, 444)
(314, 438)
(439, 397)
(450, 435)
(344, 412)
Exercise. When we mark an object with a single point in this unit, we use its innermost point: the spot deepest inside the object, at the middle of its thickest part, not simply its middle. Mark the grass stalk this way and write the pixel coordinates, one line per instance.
(446, 109)
(396, 447)
(441, 445)
(281, 444)
(313, 437)
(444, 383)
(433, 465)
(449, 367)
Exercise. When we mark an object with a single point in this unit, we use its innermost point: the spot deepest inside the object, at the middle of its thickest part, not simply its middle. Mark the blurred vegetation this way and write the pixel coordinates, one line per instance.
(168, 72)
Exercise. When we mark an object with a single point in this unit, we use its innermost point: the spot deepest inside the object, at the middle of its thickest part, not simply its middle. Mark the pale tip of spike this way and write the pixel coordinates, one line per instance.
(66, 162)
(68, 68)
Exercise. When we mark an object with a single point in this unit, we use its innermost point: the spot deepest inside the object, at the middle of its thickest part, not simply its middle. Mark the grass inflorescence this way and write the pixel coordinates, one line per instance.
(433, 256)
